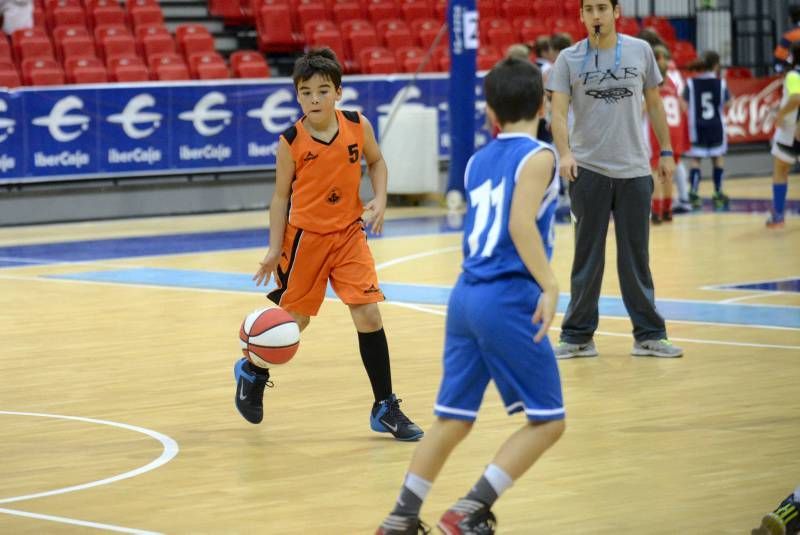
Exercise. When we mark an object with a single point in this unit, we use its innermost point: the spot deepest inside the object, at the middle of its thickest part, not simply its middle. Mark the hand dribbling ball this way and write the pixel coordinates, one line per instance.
(269, 337)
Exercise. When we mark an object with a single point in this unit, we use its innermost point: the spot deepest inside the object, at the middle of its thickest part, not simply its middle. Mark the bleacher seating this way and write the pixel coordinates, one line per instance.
(127, 40)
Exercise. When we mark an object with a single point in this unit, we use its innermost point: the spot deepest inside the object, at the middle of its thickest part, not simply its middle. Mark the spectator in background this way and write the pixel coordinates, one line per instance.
(789, 36)
(662, 195)
(17, 15)
(681, 177)
(545, 54)
(706, 95)
(785, 146)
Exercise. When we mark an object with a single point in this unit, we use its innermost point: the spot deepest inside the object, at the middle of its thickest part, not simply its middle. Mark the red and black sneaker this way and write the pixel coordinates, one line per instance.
(402, 525)
(468, 517)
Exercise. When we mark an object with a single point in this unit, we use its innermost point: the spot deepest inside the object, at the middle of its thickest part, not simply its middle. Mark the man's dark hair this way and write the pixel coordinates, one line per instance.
(560, 41)
(542, 45)
(613, 3)
(514, 90)
(794, 14)
(320, 61)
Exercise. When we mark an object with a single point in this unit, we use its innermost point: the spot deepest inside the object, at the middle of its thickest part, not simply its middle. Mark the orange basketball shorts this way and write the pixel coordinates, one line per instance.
(309, 260)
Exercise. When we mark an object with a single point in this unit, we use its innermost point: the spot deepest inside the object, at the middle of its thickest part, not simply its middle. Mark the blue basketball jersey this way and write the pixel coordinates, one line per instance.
(489, 180)
(706, 95)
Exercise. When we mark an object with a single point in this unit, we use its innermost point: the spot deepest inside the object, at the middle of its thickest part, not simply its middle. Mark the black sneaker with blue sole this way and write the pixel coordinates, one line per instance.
(386, 417)
(250, 383)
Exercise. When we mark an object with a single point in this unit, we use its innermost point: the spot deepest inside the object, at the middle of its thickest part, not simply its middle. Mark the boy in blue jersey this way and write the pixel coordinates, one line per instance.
(499, 311)
(706, 95)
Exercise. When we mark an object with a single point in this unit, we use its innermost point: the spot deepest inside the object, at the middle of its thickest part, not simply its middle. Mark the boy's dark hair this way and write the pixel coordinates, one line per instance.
(613, 3)
(542, 45)
(320, 61)
(794, 54)
(514, 90)
(794, 14)
(560, 41)
(650, 35)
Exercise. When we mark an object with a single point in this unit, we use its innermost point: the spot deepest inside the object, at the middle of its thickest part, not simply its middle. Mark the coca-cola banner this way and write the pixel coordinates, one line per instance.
(751, 112)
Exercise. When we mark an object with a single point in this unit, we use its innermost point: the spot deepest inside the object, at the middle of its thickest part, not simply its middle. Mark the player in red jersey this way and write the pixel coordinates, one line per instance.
(662, 192)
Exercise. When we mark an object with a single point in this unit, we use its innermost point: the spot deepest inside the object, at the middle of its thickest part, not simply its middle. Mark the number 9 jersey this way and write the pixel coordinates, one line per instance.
(489, 180)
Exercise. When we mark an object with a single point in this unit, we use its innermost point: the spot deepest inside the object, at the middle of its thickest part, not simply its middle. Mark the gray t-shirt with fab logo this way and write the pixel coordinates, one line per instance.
(607, 93)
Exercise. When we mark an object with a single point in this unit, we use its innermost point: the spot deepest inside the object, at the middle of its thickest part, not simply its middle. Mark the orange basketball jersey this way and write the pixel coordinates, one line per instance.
(327, 176)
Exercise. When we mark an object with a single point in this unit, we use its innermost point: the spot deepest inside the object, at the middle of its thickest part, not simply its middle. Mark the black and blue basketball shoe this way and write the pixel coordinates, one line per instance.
(386, 417)
(250, 383)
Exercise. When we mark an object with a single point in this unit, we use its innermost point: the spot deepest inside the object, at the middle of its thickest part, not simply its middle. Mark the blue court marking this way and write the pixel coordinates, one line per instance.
(198, 242)
(672, 309)
(784, 285)
(193, 242)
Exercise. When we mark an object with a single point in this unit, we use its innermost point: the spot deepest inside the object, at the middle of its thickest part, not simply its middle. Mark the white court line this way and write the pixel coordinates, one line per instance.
(72, 521)
(753, 296)
(627, 335)
(415, 256)
(170, 450)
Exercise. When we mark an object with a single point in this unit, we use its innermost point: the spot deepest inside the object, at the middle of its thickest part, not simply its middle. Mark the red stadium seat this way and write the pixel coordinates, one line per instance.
(41, 71)
(331, 39)
(683, 52)
(628, 26)
(426, 32)
(347, 10)
(382, 9)
(249, 64)
(86, 71)
(146, 15)
(416, 9)
(31, 43)
(208, 66)
(8, 74)
(73, 42)
(319, 26)
(168, 67)
(499, 33)
(274, 30)
(487, 9)
(395, 34)
(529, 28)
(377, 60)
(409, 59)
(127, 69)
(154, 40)
(5, 49)
(193, 38)
(512, 9)
(306, 11)
(105, 12)
(552, 8)
(66, 15)
(487, 56)
(359, 39)
(662, 26)
(116, 43)
(131, 5)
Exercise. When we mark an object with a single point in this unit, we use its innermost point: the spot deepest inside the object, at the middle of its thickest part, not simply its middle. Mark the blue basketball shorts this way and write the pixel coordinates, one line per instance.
(489, 336)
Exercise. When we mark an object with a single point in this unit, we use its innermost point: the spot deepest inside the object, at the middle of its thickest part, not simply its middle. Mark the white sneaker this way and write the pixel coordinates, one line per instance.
(454, 200)
(565, 350)
(656, 348)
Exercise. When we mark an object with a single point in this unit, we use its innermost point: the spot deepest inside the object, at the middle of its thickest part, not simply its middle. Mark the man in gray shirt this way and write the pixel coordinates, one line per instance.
(607, 79)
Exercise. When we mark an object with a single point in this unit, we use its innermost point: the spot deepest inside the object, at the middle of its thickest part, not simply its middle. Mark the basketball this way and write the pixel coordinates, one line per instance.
(269, 337)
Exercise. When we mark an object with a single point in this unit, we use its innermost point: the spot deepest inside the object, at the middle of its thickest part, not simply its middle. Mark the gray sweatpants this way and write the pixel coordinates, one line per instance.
(594, 197)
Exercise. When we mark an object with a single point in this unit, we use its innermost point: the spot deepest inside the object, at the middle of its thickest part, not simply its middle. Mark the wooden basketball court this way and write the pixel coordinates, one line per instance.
(118, 341)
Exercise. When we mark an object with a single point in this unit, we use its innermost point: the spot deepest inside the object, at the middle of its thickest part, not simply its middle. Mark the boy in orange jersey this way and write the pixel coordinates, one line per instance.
(316, 214)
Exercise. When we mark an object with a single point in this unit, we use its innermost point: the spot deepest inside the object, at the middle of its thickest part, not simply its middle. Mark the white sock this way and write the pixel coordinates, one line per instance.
(681, 182)
(797, 494)
(417, 485)
(497, 478)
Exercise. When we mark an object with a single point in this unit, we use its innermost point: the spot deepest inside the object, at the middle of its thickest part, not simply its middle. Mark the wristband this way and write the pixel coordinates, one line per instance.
(665, 153)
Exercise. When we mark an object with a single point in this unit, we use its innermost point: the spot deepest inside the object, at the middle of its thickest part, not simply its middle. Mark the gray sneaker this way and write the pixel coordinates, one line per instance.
(656, 348)
(565, 350)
